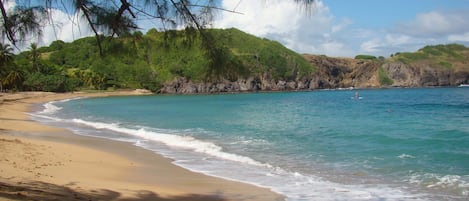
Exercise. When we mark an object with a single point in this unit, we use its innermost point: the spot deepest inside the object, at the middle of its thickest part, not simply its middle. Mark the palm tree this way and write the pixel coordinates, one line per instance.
(6, 58)
(14, 78)
(34, 56)
(6, 54)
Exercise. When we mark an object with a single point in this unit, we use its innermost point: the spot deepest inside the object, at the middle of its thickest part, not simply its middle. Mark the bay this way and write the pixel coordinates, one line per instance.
(389, 144)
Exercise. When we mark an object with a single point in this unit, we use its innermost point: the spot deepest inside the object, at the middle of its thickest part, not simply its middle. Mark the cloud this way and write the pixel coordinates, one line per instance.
(459, 37)
(288, 23)
(64, 26)
(371, 46)
(383, 43)
(436, 24)
(430, 28)
(260, 17)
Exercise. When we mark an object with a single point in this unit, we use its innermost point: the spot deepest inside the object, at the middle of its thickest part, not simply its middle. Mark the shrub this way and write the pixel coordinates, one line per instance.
(384, 78)
(366, 57)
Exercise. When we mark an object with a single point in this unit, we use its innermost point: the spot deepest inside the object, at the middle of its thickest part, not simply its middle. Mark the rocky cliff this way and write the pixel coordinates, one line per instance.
(332, 73)
(420, 75)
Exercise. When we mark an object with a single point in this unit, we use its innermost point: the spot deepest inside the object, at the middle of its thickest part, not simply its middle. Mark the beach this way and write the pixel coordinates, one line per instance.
(39, 162)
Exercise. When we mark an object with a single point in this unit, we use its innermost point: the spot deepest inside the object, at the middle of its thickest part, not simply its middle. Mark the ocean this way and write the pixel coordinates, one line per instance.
(389, 144)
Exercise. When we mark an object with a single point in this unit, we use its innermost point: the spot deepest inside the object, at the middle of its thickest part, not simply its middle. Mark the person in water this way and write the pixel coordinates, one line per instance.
(357, 95)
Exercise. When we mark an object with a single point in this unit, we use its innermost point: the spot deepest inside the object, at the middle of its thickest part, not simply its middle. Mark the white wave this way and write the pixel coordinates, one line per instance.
(45, 117)
(405, 156)
(51, 108)
(435, 181)
(447, 180)
(184, 142)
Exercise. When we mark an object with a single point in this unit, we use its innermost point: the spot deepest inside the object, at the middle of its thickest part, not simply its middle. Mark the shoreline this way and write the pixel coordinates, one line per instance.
(40, 162)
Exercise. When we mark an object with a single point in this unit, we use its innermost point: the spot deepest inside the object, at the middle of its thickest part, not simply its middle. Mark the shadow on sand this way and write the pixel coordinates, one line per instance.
(51, 192)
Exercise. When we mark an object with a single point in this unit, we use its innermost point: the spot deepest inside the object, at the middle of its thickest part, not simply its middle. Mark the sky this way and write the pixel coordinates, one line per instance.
(339, 28)
(346, 28)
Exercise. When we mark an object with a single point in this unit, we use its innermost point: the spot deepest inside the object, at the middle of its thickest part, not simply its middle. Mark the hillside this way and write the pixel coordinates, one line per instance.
(175, 62)
(440, 65)
(153, 60)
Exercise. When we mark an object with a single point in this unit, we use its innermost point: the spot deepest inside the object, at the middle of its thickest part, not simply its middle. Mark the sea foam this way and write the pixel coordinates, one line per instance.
(184, 142)
(51, 107)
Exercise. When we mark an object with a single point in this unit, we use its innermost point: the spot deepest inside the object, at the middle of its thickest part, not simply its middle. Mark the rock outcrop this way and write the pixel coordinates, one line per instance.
(420, 75)
(331, 73)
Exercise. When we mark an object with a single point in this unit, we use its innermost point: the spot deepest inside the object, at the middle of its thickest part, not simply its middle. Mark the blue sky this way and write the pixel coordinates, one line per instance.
(346, 28)
(381, 14)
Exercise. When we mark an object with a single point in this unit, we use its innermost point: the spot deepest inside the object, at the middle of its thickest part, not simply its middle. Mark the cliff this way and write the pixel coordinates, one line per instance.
(442, 65)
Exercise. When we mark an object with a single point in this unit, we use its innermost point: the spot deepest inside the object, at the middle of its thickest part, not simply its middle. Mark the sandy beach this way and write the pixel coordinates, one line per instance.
(39, 162)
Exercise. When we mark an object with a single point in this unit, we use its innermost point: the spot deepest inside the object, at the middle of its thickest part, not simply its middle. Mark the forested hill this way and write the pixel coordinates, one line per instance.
(174, 62)
(152, 60)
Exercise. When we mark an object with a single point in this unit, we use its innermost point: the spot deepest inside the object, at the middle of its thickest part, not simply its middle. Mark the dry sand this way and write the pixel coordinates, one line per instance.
(38, 162)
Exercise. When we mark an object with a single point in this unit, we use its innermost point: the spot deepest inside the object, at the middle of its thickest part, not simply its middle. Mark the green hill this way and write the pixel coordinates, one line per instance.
(150, 60)
(451, 56)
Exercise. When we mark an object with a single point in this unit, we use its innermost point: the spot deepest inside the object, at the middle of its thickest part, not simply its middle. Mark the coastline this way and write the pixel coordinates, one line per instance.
(46, 163)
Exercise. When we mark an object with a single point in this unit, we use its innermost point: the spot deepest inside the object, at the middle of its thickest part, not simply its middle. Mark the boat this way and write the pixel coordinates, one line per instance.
(463, 85)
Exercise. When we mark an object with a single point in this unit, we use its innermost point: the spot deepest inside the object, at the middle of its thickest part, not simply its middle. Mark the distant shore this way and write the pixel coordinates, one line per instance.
(39, 162)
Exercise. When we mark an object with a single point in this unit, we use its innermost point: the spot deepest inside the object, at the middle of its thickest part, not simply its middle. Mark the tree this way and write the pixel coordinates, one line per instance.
(6, 54)
(14, 78)
(6, 58)
(34, 56)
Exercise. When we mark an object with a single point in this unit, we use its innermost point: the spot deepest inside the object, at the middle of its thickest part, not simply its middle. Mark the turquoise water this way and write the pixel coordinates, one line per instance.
(393, 144)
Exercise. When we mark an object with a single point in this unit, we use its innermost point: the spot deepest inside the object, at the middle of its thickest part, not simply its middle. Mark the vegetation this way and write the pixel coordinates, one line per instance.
(133, 59)
(383, 77)
(148, 60)
(437, 56)
(365, 57)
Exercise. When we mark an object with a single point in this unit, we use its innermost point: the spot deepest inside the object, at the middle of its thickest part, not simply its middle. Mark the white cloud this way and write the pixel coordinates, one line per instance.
(260, 17)
(64, 26)
(459, 37)
(341, 26)
(436, 24)
(336, 48)
(288, 23)
(371, 46)
(397, 39)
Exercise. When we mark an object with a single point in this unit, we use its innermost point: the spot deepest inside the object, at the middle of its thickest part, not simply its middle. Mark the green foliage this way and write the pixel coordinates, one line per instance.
(149, 60)
(50, 83)
(451, 50)
(436, 55)
(264, 55)
(365, 57)
(407, 57)
(383, 77)
(446, 64)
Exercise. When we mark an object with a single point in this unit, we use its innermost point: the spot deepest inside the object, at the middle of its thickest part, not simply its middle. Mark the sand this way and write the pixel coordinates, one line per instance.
(39, 162)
